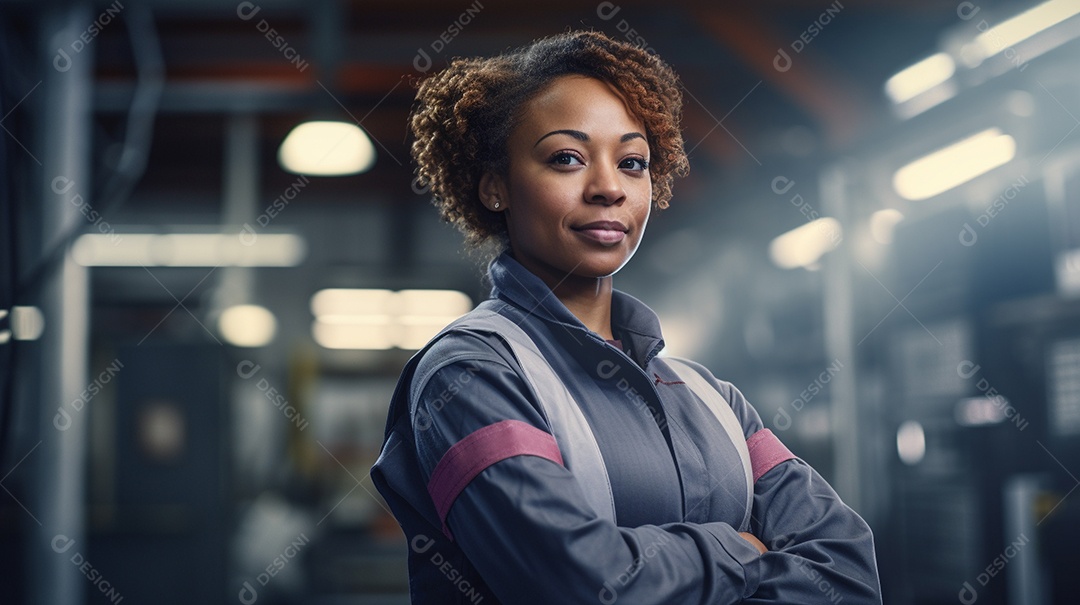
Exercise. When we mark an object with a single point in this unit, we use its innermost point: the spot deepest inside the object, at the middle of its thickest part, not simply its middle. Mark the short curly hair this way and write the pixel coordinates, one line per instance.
(464, 114)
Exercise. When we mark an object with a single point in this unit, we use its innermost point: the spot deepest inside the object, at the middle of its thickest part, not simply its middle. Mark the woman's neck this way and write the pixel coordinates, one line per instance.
(589, 299)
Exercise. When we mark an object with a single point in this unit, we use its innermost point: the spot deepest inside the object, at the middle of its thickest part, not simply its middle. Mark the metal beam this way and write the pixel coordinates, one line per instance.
(59, 483)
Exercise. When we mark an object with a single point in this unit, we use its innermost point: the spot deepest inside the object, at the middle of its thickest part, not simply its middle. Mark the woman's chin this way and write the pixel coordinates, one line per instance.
(601, 267)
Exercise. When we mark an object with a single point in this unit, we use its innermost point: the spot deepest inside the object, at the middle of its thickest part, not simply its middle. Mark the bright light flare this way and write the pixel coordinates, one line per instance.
(324, 148)
(954, 165)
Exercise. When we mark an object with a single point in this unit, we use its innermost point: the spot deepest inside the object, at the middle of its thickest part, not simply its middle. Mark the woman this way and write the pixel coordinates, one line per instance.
(539, 451)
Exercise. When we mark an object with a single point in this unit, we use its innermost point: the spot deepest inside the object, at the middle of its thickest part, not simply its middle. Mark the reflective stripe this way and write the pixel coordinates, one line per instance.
(581, 452)
(480, 449)
(766, 451)
(723, 412)
(573, 435)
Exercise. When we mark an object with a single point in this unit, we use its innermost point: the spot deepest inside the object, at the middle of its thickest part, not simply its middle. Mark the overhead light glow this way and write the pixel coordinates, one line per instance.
(373, 335)
(382, 319)
(806, 244)
(954, 165)
(1019, 28)
(920, 77)
(911, 442)
(247, 326)
(324, 148)
(27, 323)
(188, 250)
(351, 302)
(433, 303)
(979, 411)
(882, 224)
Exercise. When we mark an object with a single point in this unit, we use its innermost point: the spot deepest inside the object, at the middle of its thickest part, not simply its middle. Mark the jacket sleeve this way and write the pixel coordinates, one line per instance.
(820, 550)
(524, 523)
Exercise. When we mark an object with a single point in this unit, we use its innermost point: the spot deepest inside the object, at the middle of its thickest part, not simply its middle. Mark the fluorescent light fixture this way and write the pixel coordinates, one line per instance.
(980, 411)
(27, 323)
(433, 303)
(954, 165)
(373, 335)
(351, 302)
(805, 245)
(247, 326)
(382, 319)
(188, 250)
(882, 224)
(920, 77)
(323, 148)
(911, 442)
(1019, 28)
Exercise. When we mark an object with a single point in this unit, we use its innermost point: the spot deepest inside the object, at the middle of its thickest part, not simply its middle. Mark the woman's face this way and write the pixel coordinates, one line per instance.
(578, 193)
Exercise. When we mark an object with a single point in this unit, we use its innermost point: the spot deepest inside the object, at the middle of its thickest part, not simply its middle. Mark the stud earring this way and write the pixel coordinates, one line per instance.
(496, 205)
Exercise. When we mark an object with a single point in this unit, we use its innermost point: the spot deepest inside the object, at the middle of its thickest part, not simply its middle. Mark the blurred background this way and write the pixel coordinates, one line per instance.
(215, 259)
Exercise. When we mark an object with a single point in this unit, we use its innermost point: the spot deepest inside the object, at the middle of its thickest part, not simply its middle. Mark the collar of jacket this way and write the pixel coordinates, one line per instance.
(631, 319)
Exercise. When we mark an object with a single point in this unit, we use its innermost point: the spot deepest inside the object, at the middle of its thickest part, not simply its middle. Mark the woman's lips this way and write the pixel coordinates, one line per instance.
(605, 232)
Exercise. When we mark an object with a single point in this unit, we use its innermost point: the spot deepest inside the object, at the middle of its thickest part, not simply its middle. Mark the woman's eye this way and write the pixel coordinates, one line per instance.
(634, 164)
(565, 158)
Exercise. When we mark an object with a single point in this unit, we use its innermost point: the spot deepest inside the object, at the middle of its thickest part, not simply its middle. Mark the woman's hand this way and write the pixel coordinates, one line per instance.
(752, 539)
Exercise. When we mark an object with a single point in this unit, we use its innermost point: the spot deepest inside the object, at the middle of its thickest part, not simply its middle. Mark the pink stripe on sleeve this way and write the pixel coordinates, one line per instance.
(766, 452)
(480, 449)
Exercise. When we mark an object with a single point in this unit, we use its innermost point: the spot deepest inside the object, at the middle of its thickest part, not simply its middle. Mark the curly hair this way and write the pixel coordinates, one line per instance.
(464, 114)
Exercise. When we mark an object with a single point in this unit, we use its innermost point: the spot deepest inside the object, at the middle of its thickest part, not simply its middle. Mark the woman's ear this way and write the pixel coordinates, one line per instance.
(493, 192)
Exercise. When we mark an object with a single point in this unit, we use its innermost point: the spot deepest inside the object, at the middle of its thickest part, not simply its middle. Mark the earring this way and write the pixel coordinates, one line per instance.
(496, 205)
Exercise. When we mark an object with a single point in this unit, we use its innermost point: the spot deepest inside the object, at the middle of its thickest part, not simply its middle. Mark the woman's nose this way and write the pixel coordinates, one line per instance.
(604, 186)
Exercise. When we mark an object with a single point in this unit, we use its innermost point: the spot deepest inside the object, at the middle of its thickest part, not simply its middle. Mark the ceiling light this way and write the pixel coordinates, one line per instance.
(247, 325)
(954, 165)
(911, 442)
(27, 323)
(188, 250)
(979, 411)
(324, 148)
(1019, 28)
(374, 335)
(920, 77)
(381, 319)
(351, 302)
(805, 245)
(433, 303)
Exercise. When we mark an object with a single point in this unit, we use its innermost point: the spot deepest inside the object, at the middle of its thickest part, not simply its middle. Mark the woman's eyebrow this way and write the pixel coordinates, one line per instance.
(581, 136)
(577, 134)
